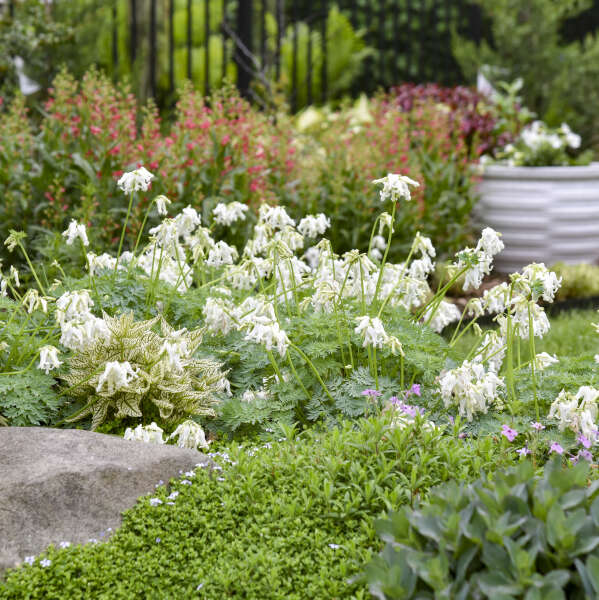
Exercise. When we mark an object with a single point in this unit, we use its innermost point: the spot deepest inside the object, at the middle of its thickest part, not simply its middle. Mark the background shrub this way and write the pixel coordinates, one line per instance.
(526, 39)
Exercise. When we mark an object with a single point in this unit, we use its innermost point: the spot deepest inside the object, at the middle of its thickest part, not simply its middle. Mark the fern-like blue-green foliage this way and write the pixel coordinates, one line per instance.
(27, 396)
(317, 335)
(29, 399)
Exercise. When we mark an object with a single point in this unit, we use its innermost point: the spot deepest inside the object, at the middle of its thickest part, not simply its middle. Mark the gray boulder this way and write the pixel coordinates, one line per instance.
(72, 485)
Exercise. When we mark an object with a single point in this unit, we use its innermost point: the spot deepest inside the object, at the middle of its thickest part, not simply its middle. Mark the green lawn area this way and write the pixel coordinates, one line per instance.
(571, 334)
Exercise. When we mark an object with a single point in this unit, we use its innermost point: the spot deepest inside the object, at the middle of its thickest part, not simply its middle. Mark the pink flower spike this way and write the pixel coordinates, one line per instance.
(555, 447)
(536, 425)
(508, 432)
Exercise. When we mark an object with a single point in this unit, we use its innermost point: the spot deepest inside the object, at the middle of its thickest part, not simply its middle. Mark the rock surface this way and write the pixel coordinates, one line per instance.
(72, 485)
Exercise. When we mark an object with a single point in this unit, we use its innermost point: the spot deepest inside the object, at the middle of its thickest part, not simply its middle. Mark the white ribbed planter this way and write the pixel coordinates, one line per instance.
(545, 214)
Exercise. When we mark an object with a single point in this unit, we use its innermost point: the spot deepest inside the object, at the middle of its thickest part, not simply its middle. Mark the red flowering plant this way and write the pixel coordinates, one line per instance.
(18, 170)
(222, 149)
(473, 116)
(222, 152)
(92, 132)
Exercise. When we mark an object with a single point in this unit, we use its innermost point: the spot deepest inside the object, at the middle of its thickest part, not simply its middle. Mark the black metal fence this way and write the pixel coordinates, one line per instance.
(307, 50)
(310, 50)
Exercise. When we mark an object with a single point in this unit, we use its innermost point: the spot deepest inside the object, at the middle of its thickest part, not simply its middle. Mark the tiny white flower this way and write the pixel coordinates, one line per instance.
(491, 351)
(495, 299)
(187, 220)
(372, 331)
(444, 314)
(32, 300)
(64, 544)
(423, 245)
(75, 230)
(155, 501)
(489, 242)
(227, 214)
(161, 203)
(291, 238)
(544, 360)
(150, 434)
(268, 333)
(520, 319)
(219, 315)
(222, 254)
(135, 181)
(190, 435)
(73, 305)
(104, 261)
(251, 396)
(572, 139)
(537, 281)
(471, 388)
(379, 242)
(29, 560)
(45, 562)
(14, 274)
(385, 221)
(275, 216)
(476, 263)
(395, 187)
(49, 359)
(395, 345)
(474, 307)
(314, 225)
(577, 412)
(116, 376)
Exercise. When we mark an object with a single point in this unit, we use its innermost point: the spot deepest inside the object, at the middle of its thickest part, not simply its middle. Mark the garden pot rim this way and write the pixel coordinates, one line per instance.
(590, 171)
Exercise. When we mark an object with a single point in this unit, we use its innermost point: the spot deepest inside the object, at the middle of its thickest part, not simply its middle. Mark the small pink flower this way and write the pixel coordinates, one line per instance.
(582, 439)
(415, 389)
(371, 393)
(536, 425)
(555, 447)
(508, 432)
(523, 451)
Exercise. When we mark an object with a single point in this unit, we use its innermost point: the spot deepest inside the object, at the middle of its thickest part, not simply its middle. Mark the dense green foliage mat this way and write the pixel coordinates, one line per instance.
(285, 519)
